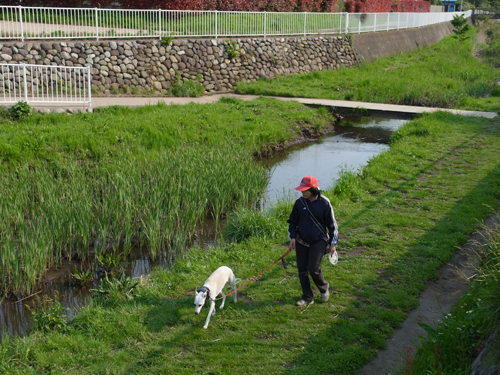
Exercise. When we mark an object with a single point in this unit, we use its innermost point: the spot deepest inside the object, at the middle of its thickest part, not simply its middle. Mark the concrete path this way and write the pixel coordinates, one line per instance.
(373, 109)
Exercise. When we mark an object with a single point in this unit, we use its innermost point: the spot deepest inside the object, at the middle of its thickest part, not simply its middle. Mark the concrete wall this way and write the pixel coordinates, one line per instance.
(437, 8)
(370, 46)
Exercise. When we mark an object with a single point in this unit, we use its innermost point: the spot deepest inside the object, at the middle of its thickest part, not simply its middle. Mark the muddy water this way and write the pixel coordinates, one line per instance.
(351, 146)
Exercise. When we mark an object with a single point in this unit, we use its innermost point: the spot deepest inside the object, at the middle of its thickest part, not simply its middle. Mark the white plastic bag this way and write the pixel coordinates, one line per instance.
(334, 258)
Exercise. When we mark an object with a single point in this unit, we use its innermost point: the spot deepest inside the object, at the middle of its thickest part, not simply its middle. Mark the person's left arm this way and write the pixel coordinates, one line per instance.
(331, 225)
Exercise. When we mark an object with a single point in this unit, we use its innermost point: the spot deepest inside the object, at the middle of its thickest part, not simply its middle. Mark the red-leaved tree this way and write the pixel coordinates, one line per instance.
(140, 4)
(412, 6)
(385, 6)
(278, 5)
(328, 5)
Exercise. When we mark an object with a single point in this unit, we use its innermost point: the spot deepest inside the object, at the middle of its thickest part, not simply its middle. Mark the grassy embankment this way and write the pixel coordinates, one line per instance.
(120, 178)
(452, 345)
(401, 218)
(433, 76)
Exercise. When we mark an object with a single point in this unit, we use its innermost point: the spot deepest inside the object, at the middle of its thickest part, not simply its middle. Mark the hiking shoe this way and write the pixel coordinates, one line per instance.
(325, 296)
(303, 303)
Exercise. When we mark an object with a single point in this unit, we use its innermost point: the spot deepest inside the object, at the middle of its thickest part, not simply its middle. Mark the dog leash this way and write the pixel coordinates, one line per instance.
(282, 258)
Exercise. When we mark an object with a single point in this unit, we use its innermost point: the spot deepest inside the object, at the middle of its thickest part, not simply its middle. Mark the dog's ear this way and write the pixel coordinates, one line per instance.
(200, 294)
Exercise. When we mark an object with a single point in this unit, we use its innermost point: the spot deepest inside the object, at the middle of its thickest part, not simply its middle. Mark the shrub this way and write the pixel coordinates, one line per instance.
(20, 111)
(166, 41)
(187, 89)
(232, 50)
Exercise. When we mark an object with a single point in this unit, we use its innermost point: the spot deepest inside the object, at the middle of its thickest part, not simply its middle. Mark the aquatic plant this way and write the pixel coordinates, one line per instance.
(116, 288)
(109, 263)
(82, 277)
(47, 314)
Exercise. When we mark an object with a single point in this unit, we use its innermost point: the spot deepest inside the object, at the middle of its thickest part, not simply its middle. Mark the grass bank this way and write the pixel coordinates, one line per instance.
(400, 218)
(471, 328)
(121, 178)
(444, 75)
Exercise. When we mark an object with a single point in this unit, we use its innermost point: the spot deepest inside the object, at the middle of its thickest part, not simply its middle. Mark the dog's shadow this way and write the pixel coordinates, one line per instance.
(172, 312)
(169, 312)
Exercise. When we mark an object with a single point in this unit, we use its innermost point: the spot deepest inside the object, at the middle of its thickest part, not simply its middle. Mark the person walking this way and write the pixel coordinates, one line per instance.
(313, 232)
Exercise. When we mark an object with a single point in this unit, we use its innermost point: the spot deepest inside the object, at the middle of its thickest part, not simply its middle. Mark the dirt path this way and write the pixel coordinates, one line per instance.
(436, 301)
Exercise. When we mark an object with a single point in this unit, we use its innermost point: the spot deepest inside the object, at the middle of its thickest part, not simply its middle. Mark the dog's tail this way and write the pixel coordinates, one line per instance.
(237, 278)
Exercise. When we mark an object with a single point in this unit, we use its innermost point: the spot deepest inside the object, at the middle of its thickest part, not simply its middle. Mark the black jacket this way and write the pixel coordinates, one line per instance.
(300, 221)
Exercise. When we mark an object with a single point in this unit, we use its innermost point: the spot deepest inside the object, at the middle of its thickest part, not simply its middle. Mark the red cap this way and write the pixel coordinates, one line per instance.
(307, 183)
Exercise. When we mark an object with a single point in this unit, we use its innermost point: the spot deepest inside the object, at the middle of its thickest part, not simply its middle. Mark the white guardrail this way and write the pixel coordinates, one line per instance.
(17, 22)
(44, 84)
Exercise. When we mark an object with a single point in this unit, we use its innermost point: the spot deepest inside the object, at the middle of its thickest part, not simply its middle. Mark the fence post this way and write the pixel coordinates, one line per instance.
(374, 22)
(159, 24)
(215, 25)
(399, 14)
(25, 84)
(265, 21)
(21, 22)
(96, 25)
(89, 83)
(347, 23)
(305, 20)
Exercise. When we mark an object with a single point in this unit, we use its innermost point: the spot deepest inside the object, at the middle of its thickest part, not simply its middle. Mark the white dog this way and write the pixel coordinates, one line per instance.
(212, 288)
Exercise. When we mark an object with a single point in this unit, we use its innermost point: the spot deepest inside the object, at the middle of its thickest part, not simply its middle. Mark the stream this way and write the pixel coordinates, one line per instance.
(353, 143)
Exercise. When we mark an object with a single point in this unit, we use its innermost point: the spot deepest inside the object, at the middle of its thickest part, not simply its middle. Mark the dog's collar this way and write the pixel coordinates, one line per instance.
(204, 289)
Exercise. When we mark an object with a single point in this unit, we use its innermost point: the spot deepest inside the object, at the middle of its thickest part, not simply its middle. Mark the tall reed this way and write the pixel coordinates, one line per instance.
(49, 213)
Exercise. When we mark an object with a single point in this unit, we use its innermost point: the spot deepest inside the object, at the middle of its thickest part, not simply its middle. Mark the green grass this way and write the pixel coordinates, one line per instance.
(434, 76)
(452, 346)
(121, 178)
(413, 206)
(490, 50)
(400, 219)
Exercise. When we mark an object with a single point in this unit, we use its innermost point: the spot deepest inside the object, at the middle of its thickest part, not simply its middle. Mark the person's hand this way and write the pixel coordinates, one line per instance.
(292, 244)
(332, 249)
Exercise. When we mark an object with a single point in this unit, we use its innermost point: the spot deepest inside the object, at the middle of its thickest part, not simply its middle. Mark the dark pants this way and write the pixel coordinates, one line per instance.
(309, 263)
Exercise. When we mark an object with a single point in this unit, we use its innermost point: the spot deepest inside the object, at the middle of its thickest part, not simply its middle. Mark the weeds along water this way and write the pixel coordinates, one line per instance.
(111, 181)
(49, 213)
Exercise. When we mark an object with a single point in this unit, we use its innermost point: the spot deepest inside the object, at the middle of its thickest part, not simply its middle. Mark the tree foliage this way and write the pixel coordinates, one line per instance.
(461, 27)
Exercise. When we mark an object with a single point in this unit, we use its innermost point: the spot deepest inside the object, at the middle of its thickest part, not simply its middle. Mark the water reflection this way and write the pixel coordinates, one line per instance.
(350, 146)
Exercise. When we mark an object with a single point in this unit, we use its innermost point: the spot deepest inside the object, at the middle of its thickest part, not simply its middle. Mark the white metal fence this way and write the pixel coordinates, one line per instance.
(44, 84)
(17, 22)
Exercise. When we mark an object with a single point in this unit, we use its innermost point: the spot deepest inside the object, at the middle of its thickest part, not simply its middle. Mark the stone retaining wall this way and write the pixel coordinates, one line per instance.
(217, 64)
